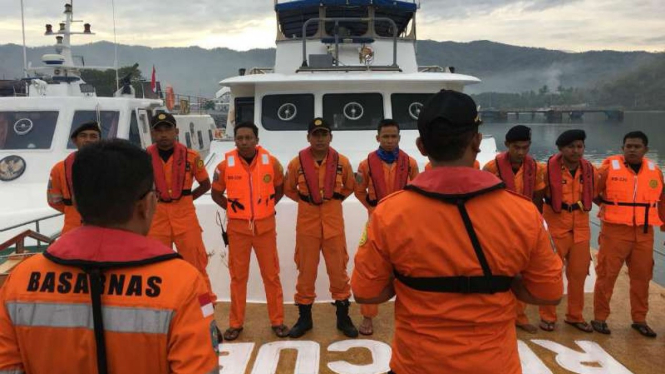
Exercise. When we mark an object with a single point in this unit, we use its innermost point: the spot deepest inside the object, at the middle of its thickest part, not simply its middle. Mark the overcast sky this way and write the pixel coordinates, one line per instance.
(571, 25)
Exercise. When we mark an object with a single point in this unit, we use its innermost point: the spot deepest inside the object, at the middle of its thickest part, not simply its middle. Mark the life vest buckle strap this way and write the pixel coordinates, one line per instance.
(459, 284)
(67, 202)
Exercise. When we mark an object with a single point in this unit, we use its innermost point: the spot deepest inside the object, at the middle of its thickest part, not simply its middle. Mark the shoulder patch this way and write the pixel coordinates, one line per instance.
(200, 163)
(359, 178)
(363, 237)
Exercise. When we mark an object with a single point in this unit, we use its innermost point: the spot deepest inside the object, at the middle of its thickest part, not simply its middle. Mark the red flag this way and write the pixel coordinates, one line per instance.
(153, 82)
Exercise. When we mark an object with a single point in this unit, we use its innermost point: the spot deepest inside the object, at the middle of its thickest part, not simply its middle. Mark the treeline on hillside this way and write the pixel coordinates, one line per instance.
(639, 89)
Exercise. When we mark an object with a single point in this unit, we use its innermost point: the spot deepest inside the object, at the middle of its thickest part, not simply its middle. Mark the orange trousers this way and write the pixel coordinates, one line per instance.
(369, 310)
(241, 242)
(190, 246)
(520, 308)
(619, 244)
(307, 257)
(577, 258)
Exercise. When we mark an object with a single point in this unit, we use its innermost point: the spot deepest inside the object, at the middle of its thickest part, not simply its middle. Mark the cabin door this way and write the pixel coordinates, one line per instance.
(144, 127)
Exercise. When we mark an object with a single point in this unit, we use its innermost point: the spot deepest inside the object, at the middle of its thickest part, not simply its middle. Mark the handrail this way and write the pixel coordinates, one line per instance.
(19, 240)
(36, 220)
(346, 19)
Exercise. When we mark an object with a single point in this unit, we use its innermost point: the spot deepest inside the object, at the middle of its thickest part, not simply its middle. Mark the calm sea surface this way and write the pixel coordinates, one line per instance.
(604, 138)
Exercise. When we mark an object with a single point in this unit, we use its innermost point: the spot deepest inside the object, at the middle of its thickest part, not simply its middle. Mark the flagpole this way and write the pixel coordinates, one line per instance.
(115, 43)
(25, 53)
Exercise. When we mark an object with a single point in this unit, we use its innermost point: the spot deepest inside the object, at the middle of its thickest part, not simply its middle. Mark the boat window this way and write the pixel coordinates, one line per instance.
(210, 135)
(287, 112)
(244, 107)
(108, 121)
(406, 108)
(27, 130)
(353, 111)
(200, 136)
(346, 29)
(188, 140)
(134, 136)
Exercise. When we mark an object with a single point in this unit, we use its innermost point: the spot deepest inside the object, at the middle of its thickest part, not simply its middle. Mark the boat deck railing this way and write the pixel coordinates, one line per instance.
(37, 230)
(337, 40)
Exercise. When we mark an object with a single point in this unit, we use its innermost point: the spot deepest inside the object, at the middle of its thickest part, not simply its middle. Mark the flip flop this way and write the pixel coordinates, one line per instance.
(531, 329)
(281, 331)
(232, 333)
(601, 327)
(644, 329)
(547, 326)
(364, 329)
(582, 326)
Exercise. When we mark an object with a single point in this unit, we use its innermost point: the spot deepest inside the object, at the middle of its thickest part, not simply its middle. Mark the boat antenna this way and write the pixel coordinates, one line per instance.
(115, 42)
(25, 54)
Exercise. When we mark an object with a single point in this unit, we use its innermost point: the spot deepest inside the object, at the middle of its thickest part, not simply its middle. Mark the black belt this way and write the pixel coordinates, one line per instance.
(564, 206)
(68, 202)
(307, 199)
(372, 203)
(460, 284)
(646, 207)
(184, 193)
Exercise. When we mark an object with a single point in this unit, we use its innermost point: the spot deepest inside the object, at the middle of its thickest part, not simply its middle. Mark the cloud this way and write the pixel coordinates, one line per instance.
(575, 25)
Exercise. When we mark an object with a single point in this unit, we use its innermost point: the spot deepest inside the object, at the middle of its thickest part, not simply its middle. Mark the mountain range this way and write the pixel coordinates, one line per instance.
(502, 67)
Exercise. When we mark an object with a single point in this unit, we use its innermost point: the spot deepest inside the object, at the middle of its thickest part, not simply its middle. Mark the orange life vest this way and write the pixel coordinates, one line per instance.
(629, 198)
(175, 191)
(251, 193)
(555, 177)
(378, 179)
(508, 176)
(318, 195)
(68, 193)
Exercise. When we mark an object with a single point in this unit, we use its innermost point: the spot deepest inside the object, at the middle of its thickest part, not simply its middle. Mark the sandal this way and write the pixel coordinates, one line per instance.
(547, 326)
(582, 326)
(232, 333)
(281, 330)
(531, 329)
(644, 329)
(366, 327)
(601, 327)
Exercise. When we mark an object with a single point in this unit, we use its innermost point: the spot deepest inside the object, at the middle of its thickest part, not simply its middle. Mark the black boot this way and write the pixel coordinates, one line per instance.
(344, 323)
(304, 323)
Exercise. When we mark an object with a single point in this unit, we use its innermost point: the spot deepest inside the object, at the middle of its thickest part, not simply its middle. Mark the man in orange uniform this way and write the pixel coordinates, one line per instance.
(254, 183)
(319, 179)
(386, 170)
(523, 175)
(104, 298)
(631, 201)
(568, 200)
(176, 168)
(59, 194)
(454, 311)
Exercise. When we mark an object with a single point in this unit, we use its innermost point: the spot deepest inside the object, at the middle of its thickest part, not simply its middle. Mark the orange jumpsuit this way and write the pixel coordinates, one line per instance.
(176, 222)
(364, 188)
(624, 242)
(453, 332)
(491, 166)
(259, 234)
(320, 228)
(157, 316)
(59, 197)
(571, 234)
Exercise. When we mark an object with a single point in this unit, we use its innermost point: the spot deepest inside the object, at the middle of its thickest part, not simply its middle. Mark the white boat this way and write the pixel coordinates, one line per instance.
(36, 129)
(353, 71)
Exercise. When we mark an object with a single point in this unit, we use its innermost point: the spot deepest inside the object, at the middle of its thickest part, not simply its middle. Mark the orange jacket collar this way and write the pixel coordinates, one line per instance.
(456, 181)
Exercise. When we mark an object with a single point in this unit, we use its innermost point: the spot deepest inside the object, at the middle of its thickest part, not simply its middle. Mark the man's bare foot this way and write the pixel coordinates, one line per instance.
(531, 329)
(366, 327)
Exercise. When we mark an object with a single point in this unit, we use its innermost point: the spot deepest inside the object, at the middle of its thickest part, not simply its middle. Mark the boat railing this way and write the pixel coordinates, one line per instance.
(20, 252)
(339, 39)
(258, 71)
(37, 230)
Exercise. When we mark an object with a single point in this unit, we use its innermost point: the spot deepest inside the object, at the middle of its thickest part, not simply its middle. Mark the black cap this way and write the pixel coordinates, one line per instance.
(162, 119)
(318, 124)
(92, 125)
(519, 133)
(570, 136)
(452, 111)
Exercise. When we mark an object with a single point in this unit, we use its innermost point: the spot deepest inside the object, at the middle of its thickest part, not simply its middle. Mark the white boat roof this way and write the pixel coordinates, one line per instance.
(364, 76)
